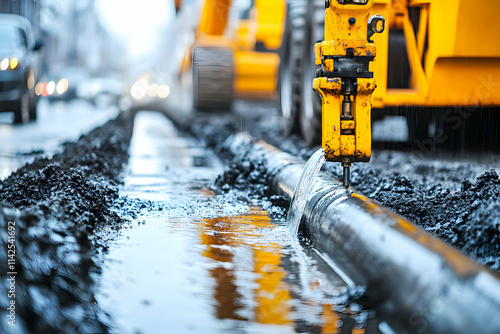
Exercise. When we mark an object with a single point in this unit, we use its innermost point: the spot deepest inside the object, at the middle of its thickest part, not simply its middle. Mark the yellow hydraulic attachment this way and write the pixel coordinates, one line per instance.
(345, 82)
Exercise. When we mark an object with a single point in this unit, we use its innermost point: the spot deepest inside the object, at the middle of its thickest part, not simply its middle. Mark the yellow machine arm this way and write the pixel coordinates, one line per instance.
(214, 17)
(345, 82)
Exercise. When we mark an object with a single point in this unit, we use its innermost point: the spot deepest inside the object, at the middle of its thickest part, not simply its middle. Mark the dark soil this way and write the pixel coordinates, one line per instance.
(467, 218)
(253, 180)
(57, 205)
(443, 196)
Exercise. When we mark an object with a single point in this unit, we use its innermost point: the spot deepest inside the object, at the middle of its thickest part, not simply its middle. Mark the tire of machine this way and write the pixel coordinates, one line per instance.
(398, 72)
(418, 121)
(291, 65)
(213, 78)
(439, 129)
(311, 107)
(462, 128)
(33, 105)
(22, 112)
(398, 76)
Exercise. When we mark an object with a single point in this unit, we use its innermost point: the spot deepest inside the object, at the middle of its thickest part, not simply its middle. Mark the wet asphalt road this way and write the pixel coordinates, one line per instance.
(56, 123)
(188, 243)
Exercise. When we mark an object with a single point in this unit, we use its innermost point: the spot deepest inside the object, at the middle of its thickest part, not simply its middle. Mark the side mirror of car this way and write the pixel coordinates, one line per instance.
(38, 45)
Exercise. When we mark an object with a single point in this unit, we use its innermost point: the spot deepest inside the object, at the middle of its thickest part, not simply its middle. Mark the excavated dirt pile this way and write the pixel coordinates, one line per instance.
(469, 218)
(62, 191)
(57, 204)
(252, 179)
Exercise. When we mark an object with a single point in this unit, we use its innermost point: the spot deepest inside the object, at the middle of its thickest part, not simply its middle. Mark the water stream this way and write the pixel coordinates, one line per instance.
(299, 199)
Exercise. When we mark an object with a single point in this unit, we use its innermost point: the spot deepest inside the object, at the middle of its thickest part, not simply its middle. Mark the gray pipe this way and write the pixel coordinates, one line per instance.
(415, 281)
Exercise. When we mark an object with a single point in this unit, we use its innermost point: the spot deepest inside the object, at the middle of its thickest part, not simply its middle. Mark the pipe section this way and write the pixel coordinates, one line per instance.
(415, 281)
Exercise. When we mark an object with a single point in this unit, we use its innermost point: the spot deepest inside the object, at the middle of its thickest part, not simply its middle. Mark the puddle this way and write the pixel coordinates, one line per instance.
(210, 263)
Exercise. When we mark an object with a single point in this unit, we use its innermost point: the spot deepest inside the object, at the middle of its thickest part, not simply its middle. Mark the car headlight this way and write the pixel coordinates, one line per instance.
(9, 64)
(139, 89)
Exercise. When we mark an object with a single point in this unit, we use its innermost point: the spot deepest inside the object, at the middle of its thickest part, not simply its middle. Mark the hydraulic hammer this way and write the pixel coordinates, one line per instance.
(344, 80)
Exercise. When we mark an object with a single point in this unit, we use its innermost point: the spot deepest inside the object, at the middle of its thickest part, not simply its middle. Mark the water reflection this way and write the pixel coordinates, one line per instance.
(241, 273)
(272, 294)
(278, 295)
(225, 291)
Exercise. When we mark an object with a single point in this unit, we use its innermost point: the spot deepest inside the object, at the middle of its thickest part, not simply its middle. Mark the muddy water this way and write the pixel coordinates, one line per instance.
(207, 263)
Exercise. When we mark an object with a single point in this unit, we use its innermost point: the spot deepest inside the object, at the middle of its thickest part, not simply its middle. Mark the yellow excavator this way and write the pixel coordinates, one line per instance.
(437, 55)
(229, 62)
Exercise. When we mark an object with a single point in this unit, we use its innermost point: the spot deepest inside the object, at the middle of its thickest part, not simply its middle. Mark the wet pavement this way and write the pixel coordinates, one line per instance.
(204, 262)
(56, 123)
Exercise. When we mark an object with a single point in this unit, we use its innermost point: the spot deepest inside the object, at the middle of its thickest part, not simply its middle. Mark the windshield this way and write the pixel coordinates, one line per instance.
(11, 38)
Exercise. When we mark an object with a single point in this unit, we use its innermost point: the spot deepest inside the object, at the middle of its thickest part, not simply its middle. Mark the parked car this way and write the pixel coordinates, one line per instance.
(19, 67)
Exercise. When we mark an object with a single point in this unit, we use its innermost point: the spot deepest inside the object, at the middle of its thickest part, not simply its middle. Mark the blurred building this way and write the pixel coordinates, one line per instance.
(70, 32)
(77, 36)
(27, 8)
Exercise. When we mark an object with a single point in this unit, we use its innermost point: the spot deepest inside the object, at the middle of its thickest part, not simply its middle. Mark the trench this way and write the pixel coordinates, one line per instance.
(195, 260)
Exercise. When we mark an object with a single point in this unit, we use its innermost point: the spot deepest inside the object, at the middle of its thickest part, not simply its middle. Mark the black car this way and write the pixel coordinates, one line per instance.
(19, 63)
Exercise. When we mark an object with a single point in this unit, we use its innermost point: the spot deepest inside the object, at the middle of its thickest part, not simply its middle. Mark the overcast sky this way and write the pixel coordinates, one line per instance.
(138, 24)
